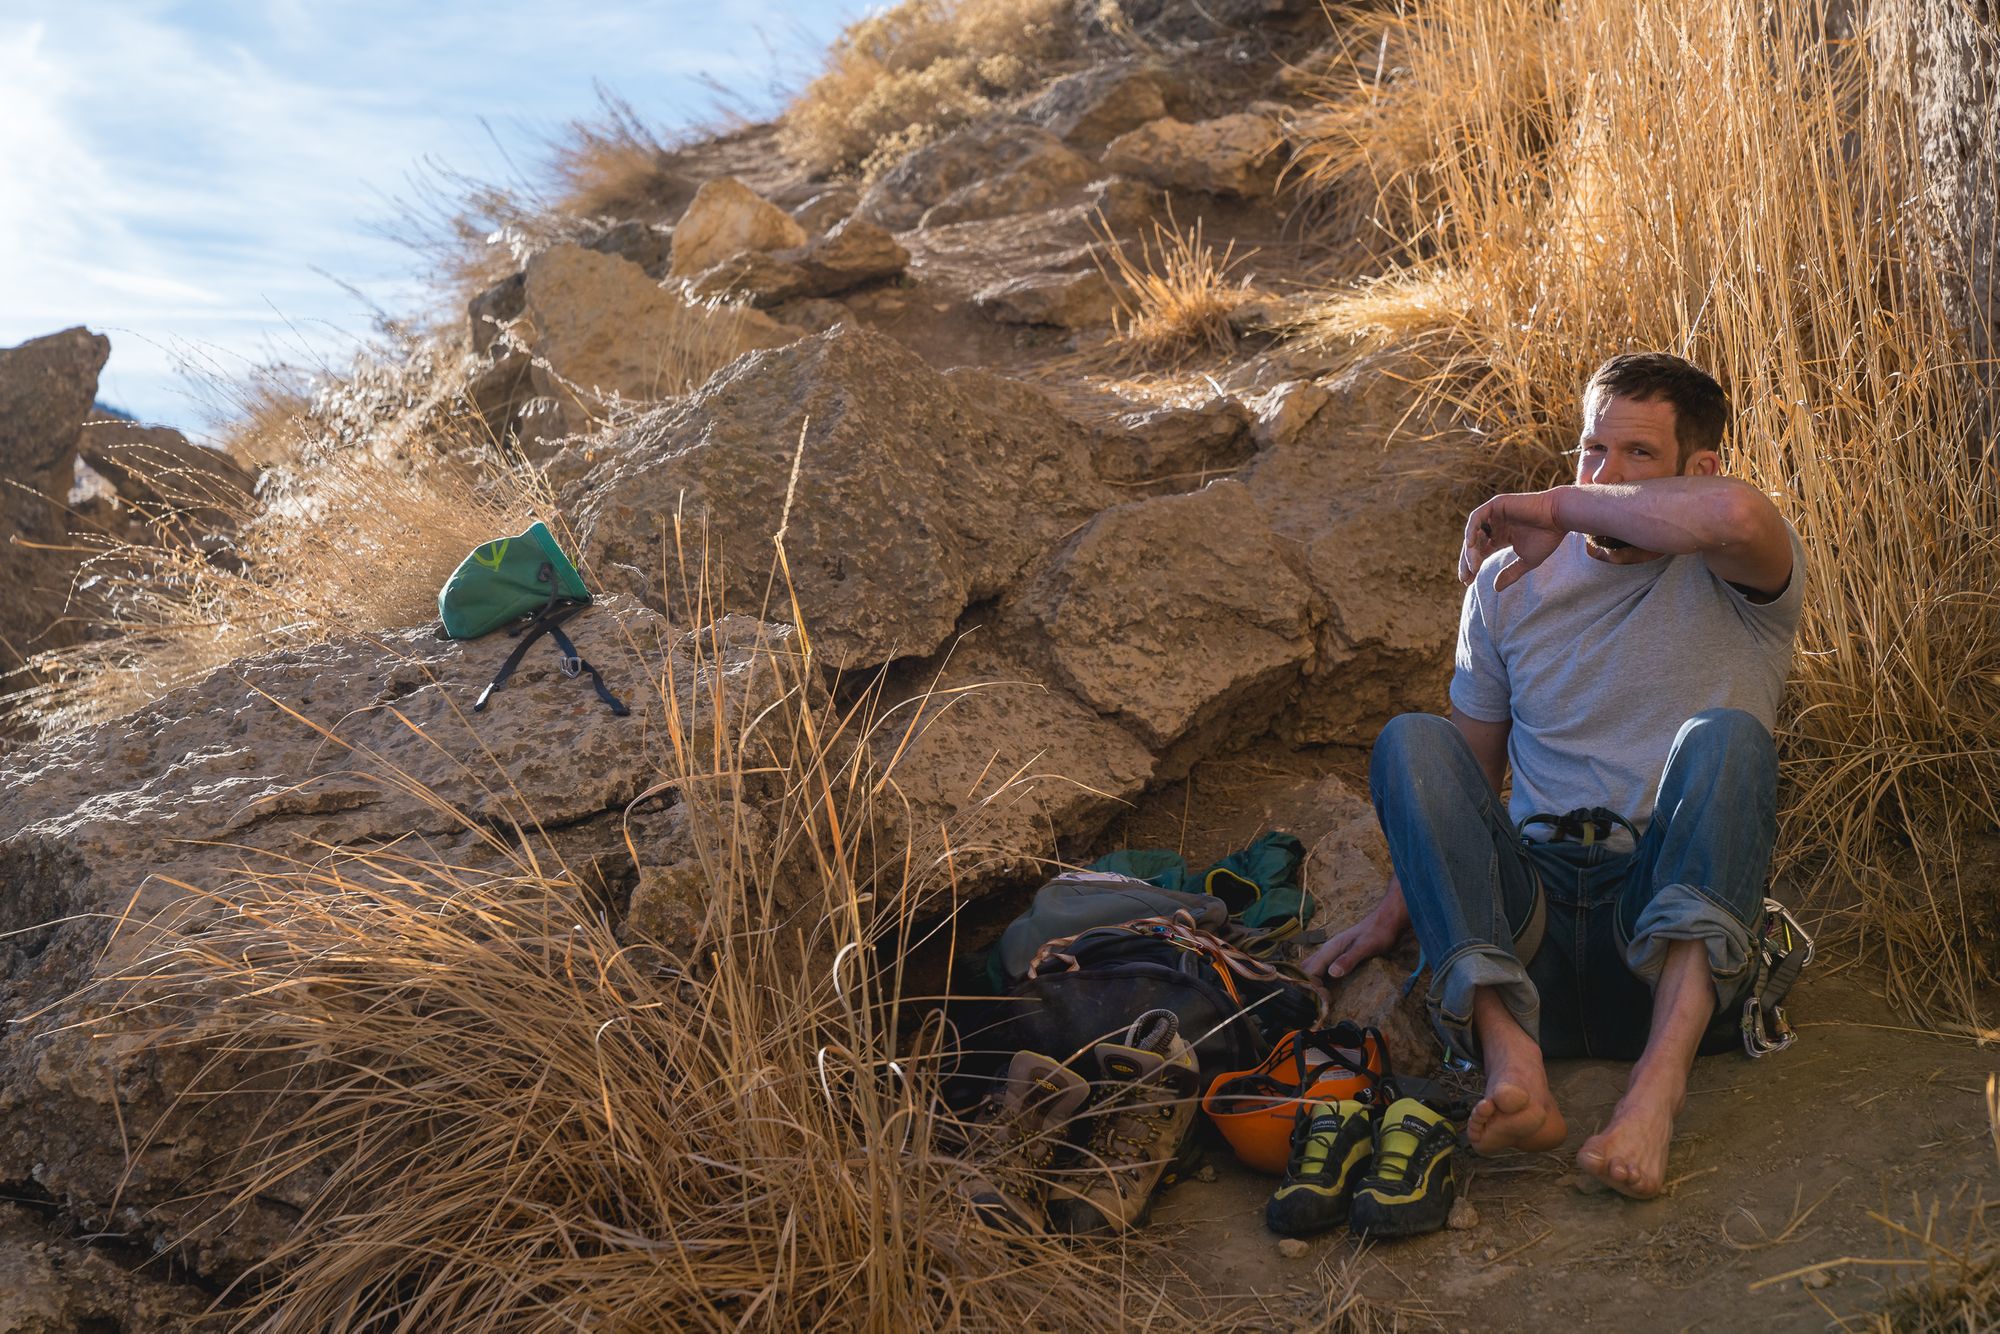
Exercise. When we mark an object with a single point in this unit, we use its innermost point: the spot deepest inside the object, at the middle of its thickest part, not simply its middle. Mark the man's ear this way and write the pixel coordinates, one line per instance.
(1703, 463)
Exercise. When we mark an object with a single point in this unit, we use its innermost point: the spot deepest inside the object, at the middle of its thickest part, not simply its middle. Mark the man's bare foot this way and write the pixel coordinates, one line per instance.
(1630, 1154)
(1516, 1114)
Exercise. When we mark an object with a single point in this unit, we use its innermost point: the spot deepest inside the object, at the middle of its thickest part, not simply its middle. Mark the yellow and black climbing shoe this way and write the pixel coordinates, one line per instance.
(1331, 1145)
(1410, 1186)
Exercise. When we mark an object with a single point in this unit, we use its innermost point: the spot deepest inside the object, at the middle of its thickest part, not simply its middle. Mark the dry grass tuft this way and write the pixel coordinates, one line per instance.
(1174, 298)
(908, 73)
(1732, 181)
(524, 1122)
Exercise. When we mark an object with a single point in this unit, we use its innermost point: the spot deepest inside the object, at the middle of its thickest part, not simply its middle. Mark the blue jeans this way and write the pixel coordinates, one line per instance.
(1573, 937)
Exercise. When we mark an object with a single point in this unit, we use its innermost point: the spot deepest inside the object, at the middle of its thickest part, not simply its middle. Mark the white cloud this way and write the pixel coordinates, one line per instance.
(173, 174)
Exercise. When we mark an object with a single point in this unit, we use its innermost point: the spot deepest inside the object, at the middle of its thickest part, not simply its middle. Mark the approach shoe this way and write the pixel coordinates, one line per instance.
(1332, 1143)
(1136, 1126)
(1409, 1187)
(1014, 1136)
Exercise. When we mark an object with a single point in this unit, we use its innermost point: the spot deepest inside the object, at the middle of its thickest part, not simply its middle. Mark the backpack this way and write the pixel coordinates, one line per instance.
(1091, 986)
(527, 583)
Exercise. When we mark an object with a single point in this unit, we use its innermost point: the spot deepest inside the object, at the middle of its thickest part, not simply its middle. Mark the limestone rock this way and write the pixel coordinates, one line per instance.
(496, 391)
(1177, 614)
(47, 386)
(726, 218)
(1379, 549)
(638, 242)
(156, 467)
(823, 210)
(1231, 155)
(917, 494)
(493, 309)
(1285, 411)
(1082, 300)
(1180, 443)
(854, 253)
(1003, 768)
(601, 328)
(985, 170)
(50, 1285)
(1093, 106)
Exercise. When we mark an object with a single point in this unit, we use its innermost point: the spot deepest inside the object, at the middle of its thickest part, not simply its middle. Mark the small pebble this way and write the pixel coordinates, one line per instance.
(942, 307)
(1292, 1248)
(1207, 1172)
(1490, 1252)
(1463, 1216)
(1819, 1278)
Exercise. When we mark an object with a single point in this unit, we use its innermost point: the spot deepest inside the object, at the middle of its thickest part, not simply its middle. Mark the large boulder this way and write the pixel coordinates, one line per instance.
(1231, 155)
(602, 331)
(854, 253)
(1179, 615)
(726, 218)
(985, 170)
(47, 386)
(363, 742)
(994, 772)
(1377, 540)
(1093, 106)
(916, 494)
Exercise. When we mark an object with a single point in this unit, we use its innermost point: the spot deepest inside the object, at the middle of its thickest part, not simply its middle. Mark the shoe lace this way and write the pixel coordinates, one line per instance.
(1312, 1145)
(1398, 1145)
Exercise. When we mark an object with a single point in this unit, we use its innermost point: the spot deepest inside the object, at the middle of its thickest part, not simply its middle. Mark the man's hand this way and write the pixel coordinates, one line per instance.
(1370, 938)
(1525, 521)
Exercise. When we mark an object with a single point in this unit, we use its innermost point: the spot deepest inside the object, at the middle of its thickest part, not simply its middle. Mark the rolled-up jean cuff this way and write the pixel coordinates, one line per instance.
(1683, 912)
(1454, 982)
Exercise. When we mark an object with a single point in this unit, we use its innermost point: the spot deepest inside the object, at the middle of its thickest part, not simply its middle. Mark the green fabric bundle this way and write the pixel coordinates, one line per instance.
(503, 580)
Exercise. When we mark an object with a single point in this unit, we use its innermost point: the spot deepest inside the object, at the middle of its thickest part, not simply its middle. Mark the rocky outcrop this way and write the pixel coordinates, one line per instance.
(1188, 445)
(856, 252)
(357, 743)
(1081, 300)
(985, 170)
(994, 771)
(50, 1285)
(1090, 108)
(916, 494)
(47, 386)
(1231, 155)
(603, 333)
(726, 219)
(1378, 546)
(1178, 615)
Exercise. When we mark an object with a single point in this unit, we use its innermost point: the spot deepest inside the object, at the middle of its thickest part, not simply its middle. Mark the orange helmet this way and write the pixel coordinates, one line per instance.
(1255, 1108)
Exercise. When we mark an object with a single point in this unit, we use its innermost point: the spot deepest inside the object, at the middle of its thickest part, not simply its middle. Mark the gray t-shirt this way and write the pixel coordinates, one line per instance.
(1598, 665)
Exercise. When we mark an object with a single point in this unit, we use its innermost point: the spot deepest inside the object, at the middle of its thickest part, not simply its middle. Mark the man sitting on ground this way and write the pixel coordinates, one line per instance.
(1623, 645)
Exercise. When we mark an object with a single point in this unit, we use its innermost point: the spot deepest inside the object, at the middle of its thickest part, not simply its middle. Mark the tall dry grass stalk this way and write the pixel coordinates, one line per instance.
(1737, 182)
(1174, 296)
(914, 70)
(523, 1121)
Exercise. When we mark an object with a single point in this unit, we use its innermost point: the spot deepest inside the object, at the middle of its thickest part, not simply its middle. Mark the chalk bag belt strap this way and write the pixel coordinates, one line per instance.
(548, 621)
(1586, 825)
(1779, 951)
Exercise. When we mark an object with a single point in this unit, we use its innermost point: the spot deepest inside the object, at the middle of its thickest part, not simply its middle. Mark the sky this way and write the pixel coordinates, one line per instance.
(212, 182)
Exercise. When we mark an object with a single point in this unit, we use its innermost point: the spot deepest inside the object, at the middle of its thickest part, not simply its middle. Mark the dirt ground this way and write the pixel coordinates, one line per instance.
(1777, 1164)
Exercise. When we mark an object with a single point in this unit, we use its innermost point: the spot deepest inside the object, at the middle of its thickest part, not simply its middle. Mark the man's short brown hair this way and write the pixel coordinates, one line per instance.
(1701, 409)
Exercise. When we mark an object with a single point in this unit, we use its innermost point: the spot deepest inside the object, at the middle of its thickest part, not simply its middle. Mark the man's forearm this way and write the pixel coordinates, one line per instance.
(1675, 516)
